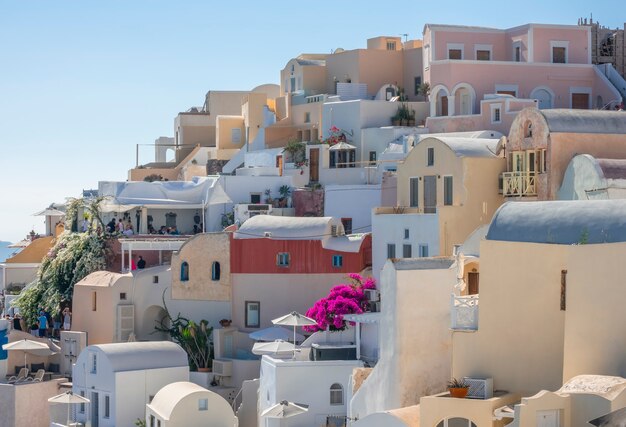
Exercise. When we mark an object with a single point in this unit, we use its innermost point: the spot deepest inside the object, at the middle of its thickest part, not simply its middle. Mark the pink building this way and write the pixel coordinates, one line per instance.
(549, 63)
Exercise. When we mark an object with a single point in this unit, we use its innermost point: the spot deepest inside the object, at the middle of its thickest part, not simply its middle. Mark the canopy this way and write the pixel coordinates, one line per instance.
(278, 346)
(28, 346)
(50, 212)
(294, 319)
(285, 409)
(68, 397)
(274, 333)
(342, 146)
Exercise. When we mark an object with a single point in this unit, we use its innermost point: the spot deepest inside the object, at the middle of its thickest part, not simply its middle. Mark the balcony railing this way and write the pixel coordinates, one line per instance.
(519, 184)
(464, 312)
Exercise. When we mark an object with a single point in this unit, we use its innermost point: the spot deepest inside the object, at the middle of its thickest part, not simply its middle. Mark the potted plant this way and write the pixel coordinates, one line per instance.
(268, 197)
(458, 388)
(285, 192)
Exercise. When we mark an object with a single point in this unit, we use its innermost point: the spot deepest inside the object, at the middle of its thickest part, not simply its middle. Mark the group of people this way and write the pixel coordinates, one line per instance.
(120, 227)
(45, 325)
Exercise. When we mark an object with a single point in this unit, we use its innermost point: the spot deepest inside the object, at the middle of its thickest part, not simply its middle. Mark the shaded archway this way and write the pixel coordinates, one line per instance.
(464, 97)
(439, 101)
(152, 316)
(544, 97)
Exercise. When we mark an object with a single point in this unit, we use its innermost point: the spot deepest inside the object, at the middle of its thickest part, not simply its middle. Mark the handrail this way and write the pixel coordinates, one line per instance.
(519, 183)
(234, 405)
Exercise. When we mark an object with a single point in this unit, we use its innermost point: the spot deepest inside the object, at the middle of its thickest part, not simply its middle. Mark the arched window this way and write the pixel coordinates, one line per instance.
(215, 271)
(528, 129)
(336, 394)
(456, 422)
(184, 271)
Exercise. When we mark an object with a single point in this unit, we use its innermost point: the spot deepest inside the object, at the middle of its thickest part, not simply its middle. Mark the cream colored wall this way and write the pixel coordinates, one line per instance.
(380, 42)
(200, 252)
(224, 103)
(34, 252)
(374, 74)
(252, 111)
(521, 323)
(225, 125)
(594, 319)
(26, 404)
(22, 275)
(186, 413)
(412, 67)
(479, 200)
(526, 412)
(298, 113)
(279, 294)
(434, 409)
(314, 80)
(100, 324)
(171, 174)
(340, 66)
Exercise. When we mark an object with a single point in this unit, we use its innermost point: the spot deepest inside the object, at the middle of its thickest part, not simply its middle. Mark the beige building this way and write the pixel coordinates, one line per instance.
(543, 326)
(541, 144)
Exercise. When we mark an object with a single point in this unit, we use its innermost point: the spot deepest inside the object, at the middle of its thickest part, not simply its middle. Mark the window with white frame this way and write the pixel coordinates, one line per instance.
(406, 233)
(414, 192)
(253, 316)
(391, 250)
(235, 135)
(431, 156)
(336, 394)
(107, 406)
(496, 113)
(407, 251)
(94, 363)
(423, 251)
(455, 50)
(447, 191)
(517, 51)
(203, 404)
(282, 259)
(559, 51)
(82, 405)
(483, 52)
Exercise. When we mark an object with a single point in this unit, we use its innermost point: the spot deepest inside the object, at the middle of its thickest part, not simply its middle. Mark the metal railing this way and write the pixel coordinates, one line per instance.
(519, 184)
(464, 312)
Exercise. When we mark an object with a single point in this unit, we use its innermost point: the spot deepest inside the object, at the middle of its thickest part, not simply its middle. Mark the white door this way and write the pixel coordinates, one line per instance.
(465, 104)
(548, 418)
(543, 97)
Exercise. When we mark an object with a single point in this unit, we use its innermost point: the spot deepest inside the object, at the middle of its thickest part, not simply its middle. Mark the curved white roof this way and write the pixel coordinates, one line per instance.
(585, 121)
(288, 228)
(166, 400)
(467, 147)
(135, 356)
(603, 385)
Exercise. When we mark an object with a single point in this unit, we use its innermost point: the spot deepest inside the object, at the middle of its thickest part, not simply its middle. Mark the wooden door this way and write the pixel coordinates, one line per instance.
(279, 165)
(444, 105)
(580, 101)
(472, 283)
(314, 164)
(430, 194)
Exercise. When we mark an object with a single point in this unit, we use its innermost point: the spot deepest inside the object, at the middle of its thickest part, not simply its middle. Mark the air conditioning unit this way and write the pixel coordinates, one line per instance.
(479, 388)
(372, 294)
(223, 368)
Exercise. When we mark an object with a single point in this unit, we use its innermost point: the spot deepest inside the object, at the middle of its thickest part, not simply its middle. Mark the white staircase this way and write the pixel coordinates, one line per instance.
(614, 77)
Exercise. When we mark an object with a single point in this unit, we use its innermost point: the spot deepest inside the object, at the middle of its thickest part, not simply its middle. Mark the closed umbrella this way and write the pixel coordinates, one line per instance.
(69, 399)
(294, 319)
(278, 346)
(28, 346)
(285, 409)
(274, 333)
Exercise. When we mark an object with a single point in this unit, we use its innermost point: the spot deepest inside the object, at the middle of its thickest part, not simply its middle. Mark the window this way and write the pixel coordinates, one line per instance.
(184, 271)
(372, 158)
(151, 420)
(391, 250)
(423, 251)
(307, 117)
(336, 394)
(94, 363)
(122, 296)
(483, 55)
(203, 404)
(82, 405)
(495, 115)
(390, 92)
(543, 161)
(337, 261)
(417, 82)
(282, 259)
(155, 279)
(431, 156)
(517, 54)
(406, 251)
(414, 192)
(456, 422)
(253, 309)
(558, 52)
(447, 191)
(455, 54)
(158, 423)
(406, 233)
(391, 45)
(235, 135)
(528, 129)
(107, 406)
(255, 198)
(347, 225)
(94, 301)
(215, 271)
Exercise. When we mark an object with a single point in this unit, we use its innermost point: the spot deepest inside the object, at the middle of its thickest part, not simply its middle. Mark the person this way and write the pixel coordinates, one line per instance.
(174, 231)
(17, 325)
(120, 225)
(111, 226)
(57, 319)
(141, 264)
(162, 230)
(133, 265)
(67, 319)
(129, 230)
(85, 225)
(34, 329)
(43, 324)
(151, 229)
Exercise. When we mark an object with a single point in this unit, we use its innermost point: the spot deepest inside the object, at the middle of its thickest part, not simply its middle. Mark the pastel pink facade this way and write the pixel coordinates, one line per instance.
(549, 63)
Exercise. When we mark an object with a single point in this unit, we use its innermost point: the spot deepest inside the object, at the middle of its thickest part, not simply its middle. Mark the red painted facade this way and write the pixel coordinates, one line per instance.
(259, 256)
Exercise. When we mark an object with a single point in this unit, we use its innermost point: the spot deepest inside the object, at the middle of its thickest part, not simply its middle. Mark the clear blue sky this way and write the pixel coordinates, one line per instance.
(82, 82)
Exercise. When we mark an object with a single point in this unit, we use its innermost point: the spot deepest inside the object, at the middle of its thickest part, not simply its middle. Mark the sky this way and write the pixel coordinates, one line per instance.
(83, 82)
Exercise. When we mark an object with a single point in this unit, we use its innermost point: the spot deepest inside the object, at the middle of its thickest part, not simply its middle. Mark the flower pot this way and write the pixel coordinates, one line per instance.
(458, 392)
(209, 370)
(395, 122)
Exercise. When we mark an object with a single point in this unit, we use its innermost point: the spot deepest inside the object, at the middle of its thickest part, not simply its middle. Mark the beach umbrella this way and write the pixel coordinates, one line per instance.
(285, 409)
(274, 333)
(28, 346)
(294, 319)
(278, 346)
(50, 212)
(68, 398)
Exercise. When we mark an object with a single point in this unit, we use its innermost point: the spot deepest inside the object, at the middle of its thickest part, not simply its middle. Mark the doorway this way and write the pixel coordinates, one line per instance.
(472, 283)
(430, 194)
(580, 101)
(95, 416)
(314, 164)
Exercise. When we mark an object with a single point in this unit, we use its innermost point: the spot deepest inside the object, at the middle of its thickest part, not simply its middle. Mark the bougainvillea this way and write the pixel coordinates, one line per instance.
(336, 136)
(341, 300)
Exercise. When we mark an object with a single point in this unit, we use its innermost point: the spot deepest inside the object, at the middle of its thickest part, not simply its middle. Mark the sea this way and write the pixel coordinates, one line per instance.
(6, 252)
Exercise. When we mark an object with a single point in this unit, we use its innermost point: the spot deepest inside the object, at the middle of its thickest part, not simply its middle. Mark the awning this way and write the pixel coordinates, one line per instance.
(342, 146)
(373, 317)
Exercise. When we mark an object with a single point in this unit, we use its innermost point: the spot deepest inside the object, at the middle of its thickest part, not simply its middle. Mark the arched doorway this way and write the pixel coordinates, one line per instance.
(439, 101)
(152, 317)
(456, 422)
(544, 97)
(464, 98)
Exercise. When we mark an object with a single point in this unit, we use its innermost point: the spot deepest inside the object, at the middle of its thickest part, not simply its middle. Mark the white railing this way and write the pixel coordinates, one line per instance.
(464, 312)
(519, 184)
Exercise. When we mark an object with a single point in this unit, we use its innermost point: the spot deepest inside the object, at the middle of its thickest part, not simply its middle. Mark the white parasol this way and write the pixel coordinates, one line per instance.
(68, 398)
(294, 319)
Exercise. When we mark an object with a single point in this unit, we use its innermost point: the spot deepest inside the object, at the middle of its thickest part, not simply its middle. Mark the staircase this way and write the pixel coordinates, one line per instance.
(614, 77)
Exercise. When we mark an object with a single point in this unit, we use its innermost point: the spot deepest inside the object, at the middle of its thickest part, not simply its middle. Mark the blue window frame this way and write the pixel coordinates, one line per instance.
(184, 271)
(337, 261)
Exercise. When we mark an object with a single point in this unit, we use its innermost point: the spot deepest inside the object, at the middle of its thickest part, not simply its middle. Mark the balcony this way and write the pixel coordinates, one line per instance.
(519, 184)
(464, 312)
